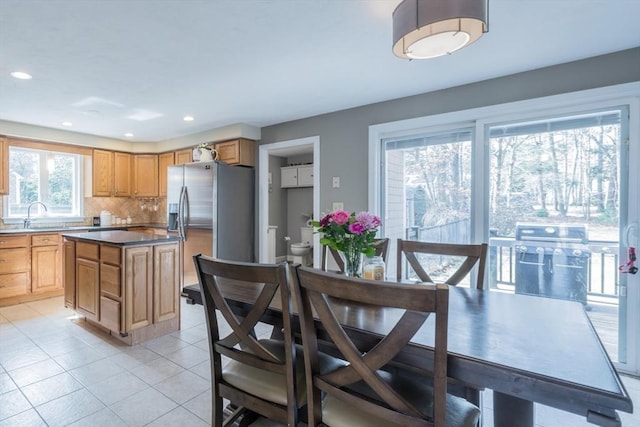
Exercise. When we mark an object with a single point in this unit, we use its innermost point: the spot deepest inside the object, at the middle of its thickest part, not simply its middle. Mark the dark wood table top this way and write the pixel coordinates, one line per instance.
(537, 349)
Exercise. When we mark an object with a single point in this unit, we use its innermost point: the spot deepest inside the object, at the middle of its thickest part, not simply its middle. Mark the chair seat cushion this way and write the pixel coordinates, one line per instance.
(336, 413)
(271, 386)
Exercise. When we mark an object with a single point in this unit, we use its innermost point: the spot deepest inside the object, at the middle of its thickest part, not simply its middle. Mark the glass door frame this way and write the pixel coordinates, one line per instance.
(483, 118)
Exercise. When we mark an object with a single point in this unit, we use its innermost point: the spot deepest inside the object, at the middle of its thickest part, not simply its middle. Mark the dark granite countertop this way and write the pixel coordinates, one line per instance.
(122, 238)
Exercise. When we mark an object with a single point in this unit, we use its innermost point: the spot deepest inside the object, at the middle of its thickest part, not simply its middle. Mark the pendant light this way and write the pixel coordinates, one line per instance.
(430, 28)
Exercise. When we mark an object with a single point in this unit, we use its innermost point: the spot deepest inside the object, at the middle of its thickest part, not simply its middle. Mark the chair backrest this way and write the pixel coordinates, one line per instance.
(262, 283)
(473, 254)
(381, 247)
(324, 294)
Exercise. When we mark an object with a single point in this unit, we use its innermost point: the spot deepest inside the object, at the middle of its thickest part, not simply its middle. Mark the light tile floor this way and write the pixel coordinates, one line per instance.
(56, 371)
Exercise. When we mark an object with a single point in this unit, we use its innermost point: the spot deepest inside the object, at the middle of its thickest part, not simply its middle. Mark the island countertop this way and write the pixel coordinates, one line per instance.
(122, 238)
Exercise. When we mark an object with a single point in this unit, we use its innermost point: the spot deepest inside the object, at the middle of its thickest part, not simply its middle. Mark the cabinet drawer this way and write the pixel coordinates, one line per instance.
(110, 280)
(110, 314)
(111, 255)
(13, 284)
(14, 260)
(45, 239)
(20, 241)
(88, 250)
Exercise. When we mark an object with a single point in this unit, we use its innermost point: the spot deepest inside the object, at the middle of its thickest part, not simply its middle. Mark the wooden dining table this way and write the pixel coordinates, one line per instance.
(524, 348)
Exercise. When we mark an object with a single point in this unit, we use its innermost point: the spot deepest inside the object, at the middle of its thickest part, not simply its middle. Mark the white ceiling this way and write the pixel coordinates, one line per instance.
(117, 66)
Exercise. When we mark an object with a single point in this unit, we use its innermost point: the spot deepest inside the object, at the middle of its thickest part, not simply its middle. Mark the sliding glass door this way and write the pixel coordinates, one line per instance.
(550, 194)
(557, 210)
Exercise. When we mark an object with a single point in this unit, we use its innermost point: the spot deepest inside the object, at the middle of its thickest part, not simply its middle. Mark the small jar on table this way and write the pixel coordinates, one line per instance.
(374, 268)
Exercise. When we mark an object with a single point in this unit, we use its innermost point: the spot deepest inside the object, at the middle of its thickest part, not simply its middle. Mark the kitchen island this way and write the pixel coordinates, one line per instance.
(124, 282)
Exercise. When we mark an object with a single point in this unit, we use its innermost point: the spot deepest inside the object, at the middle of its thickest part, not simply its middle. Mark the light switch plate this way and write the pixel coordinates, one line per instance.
(336, 182)
(338, 206)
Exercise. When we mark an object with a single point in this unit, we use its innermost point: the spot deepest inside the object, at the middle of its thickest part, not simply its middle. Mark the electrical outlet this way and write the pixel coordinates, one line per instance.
(338, 206)
(336, 182)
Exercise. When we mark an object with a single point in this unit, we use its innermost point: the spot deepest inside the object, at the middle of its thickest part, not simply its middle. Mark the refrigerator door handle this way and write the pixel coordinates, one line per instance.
(181, 218)
(186, 214)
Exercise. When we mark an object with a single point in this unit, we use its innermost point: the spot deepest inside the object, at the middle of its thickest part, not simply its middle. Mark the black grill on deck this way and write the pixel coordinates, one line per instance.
(552, 261)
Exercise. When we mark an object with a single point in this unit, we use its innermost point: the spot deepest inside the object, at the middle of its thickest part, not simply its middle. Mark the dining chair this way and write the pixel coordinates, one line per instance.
(261, 375)
(381, 247)
(360, 394)
(419, 253)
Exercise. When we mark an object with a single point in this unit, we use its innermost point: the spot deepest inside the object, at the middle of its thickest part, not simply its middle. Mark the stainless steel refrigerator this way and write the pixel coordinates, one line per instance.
(211, 206)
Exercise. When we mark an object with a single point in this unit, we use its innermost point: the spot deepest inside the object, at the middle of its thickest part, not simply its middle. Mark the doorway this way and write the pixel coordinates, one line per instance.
(285, 149)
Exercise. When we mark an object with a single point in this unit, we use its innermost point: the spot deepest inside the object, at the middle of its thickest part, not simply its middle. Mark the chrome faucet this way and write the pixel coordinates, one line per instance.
(27, 220)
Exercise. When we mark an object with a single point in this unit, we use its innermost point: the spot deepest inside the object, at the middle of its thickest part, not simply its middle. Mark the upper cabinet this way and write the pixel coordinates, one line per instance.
(237, 152)
(121, 174)
(4, 165)
(296, 176)
(184, 156)
(111, 174)
(145, 175)
(164, 160)
(102, 173)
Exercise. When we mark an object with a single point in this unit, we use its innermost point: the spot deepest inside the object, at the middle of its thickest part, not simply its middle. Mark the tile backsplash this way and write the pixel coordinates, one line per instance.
(118, 206)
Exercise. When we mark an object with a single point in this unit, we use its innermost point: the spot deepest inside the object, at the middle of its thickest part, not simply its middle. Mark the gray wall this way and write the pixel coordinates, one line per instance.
(344, 134)
(278, 203)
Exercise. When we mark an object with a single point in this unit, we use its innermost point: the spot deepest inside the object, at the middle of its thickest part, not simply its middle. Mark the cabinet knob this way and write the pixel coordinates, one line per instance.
(2, 261)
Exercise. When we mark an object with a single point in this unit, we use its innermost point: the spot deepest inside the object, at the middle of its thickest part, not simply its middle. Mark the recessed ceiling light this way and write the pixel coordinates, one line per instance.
(67, 124)
(128, 134)
(188, 118)
(21, 75)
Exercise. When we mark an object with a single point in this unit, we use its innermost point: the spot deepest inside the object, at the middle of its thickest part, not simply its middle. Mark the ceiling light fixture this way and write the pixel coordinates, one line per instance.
(67, 124)
(128, 135)
(188, 118)
(430, 28)
(21, 75)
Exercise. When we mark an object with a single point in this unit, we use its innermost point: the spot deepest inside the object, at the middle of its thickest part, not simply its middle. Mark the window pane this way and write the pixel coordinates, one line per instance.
(427, 193)
(49, 177)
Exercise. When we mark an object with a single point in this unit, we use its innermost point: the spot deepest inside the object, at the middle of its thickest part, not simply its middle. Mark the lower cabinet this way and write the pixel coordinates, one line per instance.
(46, 265)
(126, 289)
(69, 273)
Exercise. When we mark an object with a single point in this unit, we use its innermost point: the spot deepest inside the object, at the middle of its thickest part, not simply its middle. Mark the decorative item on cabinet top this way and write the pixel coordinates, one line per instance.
(204, 153)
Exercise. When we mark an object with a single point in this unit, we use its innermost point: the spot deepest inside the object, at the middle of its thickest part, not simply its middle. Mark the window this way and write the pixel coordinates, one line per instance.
(427, 188)
(53, 178)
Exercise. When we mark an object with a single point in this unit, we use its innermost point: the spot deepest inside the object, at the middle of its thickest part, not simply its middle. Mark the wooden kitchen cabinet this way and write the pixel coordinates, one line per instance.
(87, 284)
(102, 173)
(237, 152)
(184, 156)
(164, 161)
(111, 173)
(69, 273)
(138, 287)
(4, 166)
(122, 174)
(46, 264)
(111, 287)
(166, 272)
(145, 175)
(15, 263)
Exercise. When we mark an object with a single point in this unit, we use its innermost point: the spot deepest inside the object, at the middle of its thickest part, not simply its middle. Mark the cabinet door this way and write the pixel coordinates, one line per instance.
(102, 173)
(145, 175)
(184, 156)
(69, 273)
(164, 160)
(289, 177)
(122, 174)
(88, 288)
(138, 263)
(305, 176)
(166, 287)
(4, 166)
(45, 268)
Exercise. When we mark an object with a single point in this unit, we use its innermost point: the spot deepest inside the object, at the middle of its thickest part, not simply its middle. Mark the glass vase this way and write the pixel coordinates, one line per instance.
(352, 258)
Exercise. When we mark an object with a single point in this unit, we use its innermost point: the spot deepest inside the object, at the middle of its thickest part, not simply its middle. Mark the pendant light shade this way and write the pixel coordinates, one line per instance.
(429, 28)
